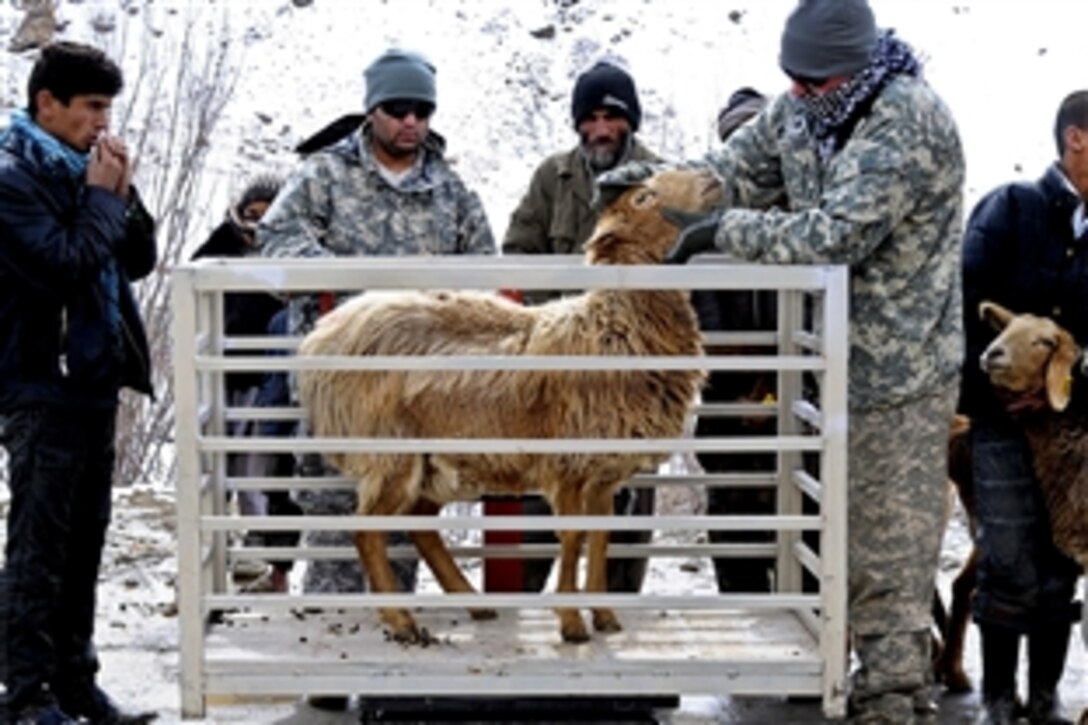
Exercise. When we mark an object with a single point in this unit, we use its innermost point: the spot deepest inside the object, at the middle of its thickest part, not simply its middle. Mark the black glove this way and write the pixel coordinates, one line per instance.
(612, 183)
(697, 233)
(607, 191)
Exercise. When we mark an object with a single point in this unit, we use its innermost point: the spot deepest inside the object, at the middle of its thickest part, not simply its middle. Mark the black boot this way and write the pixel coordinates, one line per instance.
(46, 713)
(94, 706)
(1047, 647)
(1000, 655)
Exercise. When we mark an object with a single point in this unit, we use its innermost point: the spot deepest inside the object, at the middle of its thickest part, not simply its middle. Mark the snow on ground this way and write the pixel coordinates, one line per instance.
(138, 637)
(505, 71)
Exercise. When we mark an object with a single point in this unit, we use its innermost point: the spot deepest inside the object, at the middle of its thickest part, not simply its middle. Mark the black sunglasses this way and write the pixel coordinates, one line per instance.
(401, 107)
(809, 83)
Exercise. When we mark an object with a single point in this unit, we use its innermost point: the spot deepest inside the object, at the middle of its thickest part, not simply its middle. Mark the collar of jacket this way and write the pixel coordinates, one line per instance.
(1056, 186)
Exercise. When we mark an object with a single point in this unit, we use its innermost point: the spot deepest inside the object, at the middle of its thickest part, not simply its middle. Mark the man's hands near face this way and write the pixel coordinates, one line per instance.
(109, 166)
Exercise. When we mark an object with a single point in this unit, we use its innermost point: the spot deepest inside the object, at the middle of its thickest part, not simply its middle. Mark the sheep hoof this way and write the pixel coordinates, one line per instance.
(483, 615)
(957, 681)
(572, 628)
(604, 620)
(402, 627)
(578, 636)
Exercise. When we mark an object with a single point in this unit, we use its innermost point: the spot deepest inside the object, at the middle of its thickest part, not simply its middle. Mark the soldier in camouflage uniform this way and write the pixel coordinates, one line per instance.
(865, 163)
(384, 190)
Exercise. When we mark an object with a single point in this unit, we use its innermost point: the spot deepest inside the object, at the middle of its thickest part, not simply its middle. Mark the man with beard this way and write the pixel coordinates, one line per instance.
(556, 216)
(379, 188)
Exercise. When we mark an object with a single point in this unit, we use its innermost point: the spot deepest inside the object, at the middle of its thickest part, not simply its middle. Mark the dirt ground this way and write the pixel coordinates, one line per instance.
(138, 637)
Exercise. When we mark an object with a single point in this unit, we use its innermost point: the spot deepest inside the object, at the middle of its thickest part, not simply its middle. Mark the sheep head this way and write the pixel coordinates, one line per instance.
(1029, 355)
(631, 230)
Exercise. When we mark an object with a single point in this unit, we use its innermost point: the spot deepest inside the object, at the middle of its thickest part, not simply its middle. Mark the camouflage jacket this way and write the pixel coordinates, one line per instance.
(556, 215)
(889, 204)
(339, 204)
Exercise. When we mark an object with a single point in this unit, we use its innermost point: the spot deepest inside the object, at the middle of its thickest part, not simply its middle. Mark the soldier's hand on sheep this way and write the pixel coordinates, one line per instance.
(697, 232)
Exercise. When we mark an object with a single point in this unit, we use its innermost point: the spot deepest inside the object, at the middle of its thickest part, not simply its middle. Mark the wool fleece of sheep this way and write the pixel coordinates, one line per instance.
(513, 404)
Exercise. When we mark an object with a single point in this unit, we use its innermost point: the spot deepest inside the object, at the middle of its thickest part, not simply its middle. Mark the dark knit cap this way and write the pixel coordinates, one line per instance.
(399, 74)
(742, 105)
(825, 38)
(605, 86)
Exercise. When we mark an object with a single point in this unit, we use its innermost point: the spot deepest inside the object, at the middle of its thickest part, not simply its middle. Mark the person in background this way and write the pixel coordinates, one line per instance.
(383, 190)
(861, 164)
(743, 105)
(250, 314)
(556, 216)
(1026, 248)
(73, 234)
(737, 310)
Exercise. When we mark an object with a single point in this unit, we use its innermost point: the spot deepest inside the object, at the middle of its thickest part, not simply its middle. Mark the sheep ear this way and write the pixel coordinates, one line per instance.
(1059, 372)
(995, 314)
(599, 243)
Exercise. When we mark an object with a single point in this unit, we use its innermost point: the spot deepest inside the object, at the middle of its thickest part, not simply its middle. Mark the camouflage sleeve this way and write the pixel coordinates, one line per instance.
(474, 232)
(295, 224)
(750, 161)
(868, 196)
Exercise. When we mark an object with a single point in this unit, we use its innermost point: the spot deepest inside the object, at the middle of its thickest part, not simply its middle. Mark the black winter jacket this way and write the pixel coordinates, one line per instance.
(245, 313)
(55, 342)
(1019, 251)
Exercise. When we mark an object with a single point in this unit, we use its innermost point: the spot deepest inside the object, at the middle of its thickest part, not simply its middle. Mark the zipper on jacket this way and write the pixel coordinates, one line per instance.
(62, 357)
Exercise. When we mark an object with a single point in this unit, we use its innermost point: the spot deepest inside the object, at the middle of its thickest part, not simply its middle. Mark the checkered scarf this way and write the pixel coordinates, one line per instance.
(830, 118)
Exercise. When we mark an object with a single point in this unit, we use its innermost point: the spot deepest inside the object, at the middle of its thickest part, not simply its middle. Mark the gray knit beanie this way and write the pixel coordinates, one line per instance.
(825, 38)
(399, 74)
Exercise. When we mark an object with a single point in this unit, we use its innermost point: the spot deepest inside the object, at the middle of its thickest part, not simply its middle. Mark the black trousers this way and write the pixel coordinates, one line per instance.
(60, 475)
(1023, 579)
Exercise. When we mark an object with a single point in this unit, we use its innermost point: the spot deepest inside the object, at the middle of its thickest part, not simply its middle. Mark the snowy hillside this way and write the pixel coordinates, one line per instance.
(505, 70)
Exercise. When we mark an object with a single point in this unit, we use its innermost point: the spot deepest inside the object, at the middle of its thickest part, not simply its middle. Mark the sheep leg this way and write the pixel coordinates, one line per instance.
(599, 503)
(375, 561)
(382, 494)
(950, 664)
(433, 550)
(571, 626)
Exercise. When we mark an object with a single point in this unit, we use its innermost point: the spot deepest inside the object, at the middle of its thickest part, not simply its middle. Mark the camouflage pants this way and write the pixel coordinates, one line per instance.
(329, 576)
(897, 498)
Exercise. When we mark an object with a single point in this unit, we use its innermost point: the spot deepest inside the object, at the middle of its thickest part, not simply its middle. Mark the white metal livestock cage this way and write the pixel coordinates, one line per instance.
(790, 641)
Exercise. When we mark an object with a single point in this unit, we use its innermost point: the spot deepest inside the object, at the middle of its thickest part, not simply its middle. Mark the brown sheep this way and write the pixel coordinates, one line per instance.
(513, 404)
(1030, 355)
(1033, 354)
(948, 666)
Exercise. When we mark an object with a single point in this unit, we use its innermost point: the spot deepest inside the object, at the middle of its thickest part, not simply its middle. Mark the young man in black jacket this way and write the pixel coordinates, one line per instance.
(1026, 248)
(73, 233)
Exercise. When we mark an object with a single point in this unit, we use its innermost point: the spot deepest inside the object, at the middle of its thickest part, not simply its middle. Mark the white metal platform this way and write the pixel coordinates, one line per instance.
(788, 642)
(264, 652)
